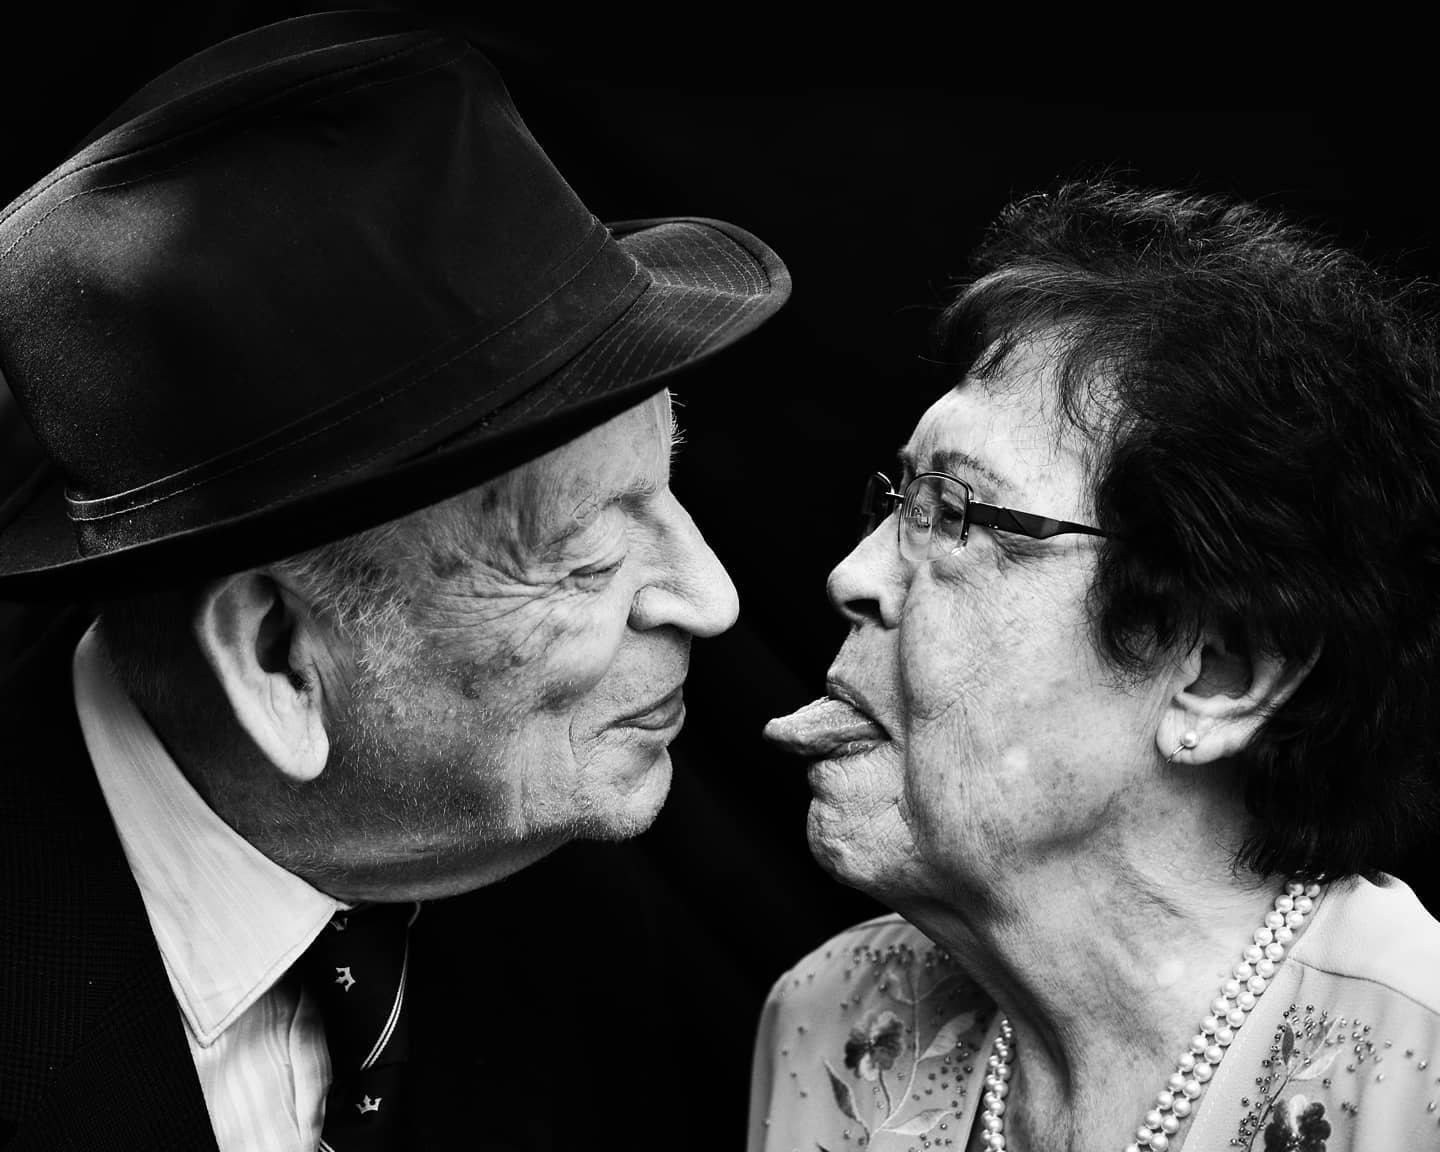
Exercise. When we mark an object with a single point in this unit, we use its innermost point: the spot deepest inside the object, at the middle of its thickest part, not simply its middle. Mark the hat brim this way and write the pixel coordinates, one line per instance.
(711, 283)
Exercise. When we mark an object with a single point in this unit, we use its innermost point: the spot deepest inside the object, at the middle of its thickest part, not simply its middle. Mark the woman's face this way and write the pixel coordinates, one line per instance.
(1009, 741)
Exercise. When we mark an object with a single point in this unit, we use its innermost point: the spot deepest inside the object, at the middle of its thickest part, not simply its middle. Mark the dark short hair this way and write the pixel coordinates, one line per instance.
(1261, 412)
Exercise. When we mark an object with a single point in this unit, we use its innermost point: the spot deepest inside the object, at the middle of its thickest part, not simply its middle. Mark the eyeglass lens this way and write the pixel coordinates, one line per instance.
(933, 518)
(933, 514)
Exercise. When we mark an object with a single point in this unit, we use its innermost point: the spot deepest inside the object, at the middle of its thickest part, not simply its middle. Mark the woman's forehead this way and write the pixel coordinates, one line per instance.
(1006, 433)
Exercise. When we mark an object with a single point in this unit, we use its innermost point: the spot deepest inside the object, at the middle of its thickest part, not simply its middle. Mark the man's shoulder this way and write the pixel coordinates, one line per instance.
(41, 742)
(35, 656)
(80, 966)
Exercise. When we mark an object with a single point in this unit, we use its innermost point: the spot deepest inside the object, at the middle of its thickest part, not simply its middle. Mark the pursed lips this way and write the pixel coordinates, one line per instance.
(659, 713)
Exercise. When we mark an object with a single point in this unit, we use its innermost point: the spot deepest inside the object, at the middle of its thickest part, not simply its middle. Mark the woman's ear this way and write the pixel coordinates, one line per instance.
(1222, 693)
(255, 639)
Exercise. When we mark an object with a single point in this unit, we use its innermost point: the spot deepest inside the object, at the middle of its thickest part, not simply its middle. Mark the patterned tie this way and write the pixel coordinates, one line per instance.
(356, 969)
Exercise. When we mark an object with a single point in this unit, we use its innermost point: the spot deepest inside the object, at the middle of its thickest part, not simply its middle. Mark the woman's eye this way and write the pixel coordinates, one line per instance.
(949, 514)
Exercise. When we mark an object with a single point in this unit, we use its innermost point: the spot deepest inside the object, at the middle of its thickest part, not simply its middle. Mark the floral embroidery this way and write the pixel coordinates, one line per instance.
(1304, 1050)
(874, 1048)
(881, 1046)
(1297, 1126)
(889, 1084)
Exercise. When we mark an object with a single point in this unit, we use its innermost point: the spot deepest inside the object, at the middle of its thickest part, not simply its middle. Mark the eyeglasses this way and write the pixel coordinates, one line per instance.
(937, 509)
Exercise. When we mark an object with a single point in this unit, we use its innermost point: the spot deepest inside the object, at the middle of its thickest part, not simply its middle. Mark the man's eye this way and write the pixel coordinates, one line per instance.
(596, 576)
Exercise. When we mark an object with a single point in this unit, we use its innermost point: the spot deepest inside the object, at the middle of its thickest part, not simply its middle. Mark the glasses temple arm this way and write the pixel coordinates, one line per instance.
(1025, 523)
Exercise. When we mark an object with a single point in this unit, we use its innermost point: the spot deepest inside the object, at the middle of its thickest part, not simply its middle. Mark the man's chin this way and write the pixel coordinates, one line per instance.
(633, 808)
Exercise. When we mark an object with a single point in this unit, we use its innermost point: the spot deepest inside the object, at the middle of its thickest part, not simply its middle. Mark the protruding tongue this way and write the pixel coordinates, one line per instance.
(822, 729)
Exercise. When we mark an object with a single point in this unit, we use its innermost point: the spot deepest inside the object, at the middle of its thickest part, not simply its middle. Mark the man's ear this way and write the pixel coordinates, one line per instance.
(1221, 694)
(254, 637)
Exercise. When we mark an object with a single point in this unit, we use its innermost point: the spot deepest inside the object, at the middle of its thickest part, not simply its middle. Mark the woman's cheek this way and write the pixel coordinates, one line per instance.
(927, 669)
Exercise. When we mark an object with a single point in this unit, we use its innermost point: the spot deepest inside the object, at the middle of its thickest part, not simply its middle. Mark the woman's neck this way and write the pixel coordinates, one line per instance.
(1105, 966)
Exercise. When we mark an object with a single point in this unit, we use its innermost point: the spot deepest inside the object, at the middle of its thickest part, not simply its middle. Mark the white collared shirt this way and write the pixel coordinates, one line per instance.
(229, 921)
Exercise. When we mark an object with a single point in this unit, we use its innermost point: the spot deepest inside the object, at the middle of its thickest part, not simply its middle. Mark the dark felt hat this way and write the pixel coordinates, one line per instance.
(310, 280)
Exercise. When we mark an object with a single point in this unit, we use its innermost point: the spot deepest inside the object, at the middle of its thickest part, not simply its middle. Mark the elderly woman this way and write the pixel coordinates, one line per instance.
(1137, 705)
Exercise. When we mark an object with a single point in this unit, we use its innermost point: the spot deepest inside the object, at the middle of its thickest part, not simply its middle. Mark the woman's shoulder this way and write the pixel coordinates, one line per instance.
(1378, 936)
(888, 933)
(877, 1030)
(1349, 1055)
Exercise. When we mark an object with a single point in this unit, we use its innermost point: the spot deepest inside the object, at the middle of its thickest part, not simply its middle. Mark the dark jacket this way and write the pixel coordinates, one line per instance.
(93, 1050)
(609, 983)
(93, 1053)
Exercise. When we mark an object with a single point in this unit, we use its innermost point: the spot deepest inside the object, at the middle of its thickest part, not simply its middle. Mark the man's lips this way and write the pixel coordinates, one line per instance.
(837, 724)
(666, 712)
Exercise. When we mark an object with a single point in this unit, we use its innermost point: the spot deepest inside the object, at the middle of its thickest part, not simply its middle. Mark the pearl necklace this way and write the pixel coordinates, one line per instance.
(1228, 1012)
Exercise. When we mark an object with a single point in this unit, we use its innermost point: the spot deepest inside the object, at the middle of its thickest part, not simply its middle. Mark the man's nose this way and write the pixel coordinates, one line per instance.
(691, 589)
(869, 585)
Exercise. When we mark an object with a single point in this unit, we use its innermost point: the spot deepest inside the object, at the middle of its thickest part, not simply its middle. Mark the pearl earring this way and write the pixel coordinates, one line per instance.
(1187, 741)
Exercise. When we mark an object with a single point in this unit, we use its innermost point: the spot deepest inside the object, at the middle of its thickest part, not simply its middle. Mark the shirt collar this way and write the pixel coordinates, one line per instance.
(229, 920)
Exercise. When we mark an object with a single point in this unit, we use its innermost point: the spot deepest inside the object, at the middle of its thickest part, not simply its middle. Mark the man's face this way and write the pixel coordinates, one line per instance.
(549, 638)
(1008, 739)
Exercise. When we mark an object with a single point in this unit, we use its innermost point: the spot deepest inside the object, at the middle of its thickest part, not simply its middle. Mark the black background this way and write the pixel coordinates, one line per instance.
(613, 988)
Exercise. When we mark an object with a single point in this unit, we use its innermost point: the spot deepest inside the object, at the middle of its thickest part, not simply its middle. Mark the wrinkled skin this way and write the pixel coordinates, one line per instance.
(526, 714)
(1023, 811)
(1008, 737)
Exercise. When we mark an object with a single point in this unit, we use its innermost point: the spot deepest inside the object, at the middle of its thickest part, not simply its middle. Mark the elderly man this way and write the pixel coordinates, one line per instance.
(364, 443)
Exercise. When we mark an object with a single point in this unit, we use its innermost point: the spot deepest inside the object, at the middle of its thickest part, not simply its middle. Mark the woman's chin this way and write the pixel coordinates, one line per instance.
(848, 774)
(867, 852)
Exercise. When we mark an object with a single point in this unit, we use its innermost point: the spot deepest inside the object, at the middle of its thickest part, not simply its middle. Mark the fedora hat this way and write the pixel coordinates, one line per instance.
(310, 280)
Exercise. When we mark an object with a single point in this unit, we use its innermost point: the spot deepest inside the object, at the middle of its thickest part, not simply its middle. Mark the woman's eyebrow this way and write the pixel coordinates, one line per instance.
(957, 462)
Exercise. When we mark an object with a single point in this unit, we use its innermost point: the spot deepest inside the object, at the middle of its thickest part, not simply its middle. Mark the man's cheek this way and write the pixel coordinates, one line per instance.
(569, 657)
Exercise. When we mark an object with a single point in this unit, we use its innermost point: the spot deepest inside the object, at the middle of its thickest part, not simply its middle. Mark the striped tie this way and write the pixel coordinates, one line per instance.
(356, 969)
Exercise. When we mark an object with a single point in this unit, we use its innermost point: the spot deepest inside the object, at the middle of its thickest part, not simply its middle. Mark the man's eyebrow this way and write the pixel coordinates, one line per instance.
(636, 492)
(631, 495)
(957, 462)
(639, 489)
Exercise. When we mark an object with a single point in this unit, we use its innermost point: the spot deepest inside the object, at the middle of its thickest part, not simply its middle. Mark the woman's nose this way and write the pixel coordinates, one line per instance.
(869, 585)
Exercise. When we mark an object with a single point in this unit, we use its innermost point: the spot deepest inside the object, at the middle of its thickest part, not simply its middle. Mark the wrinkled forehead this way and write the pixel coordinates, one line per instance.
(530, 508)
(627, 457)
(1005, 433)
(619, 452)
